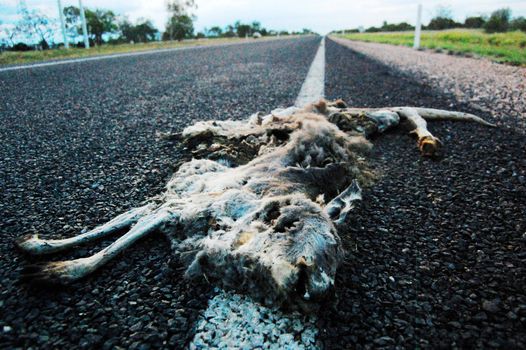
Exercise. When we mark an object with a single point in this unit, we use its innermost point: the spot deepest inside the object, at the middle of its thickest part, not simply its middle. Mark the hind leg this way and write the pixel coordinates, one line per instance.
(71, 270)
(36, 246)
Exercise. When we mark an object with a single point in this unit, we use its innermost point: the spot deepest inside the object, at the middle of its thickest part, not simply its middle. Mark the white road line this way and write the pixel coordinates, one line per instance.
(233, 321)
(312, 89)
(118, 55)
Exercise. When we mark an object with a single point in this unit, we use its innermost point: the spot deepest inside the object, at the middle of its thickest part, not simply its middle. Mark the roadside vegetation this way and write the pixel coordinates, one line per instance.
(498, 37)
(21, 57)
(32, 37)
(507, 47)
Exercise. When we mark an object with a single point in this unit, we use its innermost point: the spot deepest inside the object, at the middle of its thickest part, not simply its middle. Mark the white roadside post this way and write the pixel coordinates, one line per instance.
(418, 27)
(84, 26)
(62, 26)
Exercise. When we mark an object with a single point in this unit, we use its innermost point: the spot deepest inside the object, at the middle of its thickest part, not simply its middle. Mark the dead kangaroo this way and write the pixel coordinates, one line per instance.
(258, 213)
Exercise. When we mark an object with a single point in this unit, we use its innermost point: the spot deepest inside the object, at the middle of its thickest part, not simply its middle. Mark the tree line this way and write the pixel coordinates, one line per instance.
(34, 30)
(499, 21)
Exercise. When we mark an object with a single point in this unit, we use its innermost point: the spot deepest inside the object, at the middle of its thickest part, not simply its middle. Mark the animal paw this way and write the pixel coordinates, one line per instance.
(31, 244)
(59, 272)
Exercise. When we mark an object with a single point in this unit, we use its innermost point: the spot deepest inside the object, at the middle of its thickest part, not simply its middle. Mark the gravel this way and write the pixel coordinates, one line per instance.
(79, 146)
(436, 251)
(488, 87)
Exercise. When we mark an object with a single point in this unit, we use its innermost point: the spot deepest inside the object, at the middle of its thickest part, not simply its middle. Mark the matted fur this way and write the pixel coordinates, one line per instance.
(258, 212)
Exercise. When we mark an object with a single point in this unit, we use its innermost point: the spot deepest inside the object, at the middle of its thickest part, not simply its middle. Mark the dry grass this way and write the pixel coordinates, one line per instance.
(501, 47)
(9, 57)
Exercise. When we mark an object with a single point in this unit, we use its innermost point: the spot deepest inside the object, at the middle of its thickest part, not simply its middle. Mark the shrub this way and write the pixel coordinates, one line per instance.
(373, 30)
(21, 47)
(518, 23)
(499, 21)
(440, 23)
(475, 22)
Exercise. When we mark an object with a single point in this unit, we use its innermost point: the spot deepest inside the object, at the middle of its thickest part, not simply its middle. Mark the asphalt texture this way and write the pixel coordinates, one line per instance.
(437, 249)
(78, 146)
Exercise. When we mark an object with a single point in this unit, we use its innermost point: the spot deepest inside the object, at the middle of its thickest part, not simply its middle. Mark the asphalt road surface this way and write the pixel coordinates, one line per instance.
(436, 251)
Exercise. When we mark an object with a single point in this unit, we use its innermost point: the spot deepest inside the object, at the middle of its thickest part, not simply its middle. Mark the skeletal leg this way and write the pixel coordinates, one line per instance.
(427, 143)
(438, 114)
(68, 271)
(36, 246)
(426, 113)
(341, 205)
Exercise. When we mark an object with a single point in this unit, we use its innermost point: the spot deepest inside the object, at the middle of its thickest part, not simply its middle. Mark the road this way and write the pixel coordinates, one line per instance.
(79, 146)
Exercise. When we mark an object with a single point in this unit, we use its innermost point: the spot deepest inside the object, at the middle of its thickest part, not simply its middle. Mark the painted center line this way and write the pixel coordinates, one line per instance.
(233, 321)
(313, 87)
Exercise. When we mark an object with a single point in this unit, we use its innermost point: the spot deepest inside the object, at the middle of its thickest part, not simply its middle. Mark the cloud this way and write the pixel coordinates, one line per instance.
(321, 16)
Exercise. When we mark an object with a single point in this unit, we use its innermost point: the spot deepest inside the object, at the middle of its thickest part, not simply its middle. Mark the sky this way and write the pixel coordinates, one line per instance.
(322, 16)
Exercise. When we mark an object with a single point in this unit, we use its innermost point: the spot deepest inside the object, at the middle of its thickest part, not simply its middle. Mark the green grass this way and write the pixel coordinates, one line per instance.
(501, 47)
(9, 57)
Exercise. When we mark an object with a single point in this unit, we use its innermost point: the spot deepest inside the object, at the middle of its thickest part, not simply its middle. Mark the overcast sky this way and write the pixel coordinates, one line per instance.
(320, 16)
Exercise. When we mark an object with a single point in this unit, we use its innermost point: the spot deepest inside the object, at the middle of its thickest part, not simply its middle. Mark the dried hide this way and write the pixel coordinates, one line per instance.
(259, 211)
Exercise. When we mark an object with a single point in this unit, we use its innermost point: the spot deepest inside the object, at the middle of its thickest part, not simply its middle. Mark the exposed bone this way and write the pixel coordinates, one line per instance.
(36, 246)
(253, 216)
(383, 119)
(427, 143)
(72, 270)
(255, 227)
(426, 113)
(340, 206)
(439, 114)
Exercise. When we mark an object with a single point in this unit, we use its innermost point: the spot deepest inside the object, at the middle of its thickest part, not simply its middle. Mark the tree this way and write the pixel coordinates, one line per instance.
(518, 23)
(229, 31)
(474, 22)
(400, 27)
(9, 33)
(256, 26)
(442, 11)
(36, 27)
(181, 7)
(142, 31)
(72, 21)
(215, 31)
(242, 30)
(100, 22)
(441, 23)
(443, 19)
(179, 28)
(373, 30)
(3, 42)
(499, 21)
(180, 25)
